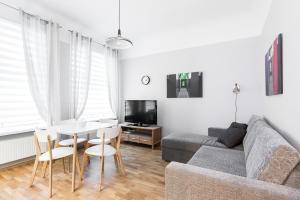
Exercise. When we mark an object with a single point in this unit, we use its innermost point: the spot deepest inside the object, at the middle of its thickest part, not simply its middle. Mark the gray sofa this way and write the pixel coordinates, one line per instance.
(267, 168)
(181, 147)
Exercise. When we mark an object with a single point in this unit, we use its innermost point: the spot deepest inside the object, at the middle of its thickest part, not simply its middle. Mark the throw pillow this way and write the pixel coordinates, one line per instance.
(238, 125)
(232, 137)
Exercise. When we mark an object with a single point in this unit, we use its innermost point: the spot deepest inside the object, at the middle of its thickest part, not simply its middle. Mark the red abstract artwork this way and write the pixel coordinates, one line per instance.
(273, 68)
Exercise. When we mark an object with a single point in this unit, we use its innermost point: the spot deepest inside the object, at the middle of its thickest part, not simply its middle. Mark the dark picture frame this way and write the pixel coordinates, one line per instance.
(185, 85)
(274, 68)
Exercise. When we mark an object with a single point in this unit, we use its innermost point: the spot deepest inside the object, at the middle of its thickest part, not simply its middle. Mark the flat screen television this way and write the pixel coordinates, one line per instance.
(141, 112)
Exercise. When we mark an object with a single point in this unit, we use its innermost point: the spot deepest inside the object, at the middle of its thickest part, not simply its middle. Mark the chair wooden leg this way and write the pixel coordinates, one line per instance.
(63, 164)
(78, 166)
(35, 166)
(69, 163)
(75, 155)
(50, 179)
(122, 169)
(45, 164)
(84, 160)
(101, 172)
(118, 164)
(116, 161)
(87, 145)
(103, 164)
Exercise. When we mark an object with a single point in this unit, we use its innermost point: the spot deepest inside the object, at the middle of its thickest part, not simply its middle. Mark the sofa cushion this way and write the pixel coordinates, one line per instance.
(224, 160)
(232, 137)
(254, 129)
(216, 132)
(271, 158)
(189, 141)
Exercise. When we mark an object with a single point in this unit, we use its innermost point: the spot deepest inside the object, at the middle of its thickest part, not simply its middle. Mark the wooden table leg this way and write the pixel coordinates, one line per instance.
(78, 165)
(74, 162)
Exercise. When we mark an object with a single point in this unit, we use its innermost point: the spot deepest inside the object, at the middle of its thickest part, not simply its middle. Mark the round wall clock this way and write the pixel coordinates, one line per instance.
(145, 80)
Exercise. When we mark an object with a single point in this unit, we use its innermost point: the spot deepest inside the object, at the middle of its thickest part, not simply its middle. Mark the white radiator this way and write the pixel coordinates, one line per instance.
(16, 148)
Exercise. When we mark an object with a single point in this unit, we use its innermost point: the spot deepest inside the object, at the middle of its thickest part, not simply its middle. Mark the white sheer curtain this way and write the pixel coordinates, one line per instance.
(41, 48)
(79, 71)
(111, 60)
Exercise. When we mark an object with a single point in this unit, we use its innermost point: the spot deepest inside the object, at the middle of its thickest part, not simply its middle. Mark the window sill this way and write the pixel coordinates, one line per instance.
(14, 132)
(28, 130)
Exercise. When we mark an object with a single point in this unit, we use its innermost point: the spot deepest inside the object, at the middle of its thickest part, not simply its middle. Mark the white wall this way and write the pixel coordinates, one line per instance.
(284, 110)
(222, 65)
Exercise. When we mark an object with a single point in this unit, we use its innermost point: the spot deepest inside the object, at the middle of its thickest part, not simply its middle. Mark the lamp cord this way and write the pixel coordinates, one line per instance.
(235, 103)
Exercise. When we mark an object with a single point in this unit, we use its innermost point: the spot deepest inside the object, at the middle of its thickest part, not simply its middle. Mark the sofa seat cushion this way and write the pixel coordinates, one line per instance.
(189, 141)
(224, 160)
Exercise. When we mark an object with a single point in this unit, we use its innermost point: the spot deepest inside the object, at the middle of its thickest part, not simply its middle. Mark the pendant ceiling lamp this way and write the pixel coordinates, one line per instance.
(119, 42)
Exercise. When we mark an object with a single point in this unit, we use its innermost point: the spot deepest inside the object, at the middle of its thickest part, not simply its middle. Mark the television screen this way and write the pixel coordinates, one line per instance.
(141, 111)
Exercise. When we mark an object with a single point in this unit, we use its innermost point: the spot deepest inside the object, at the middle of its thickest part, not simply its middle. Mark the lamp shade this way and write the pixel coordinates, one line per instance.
(236, 89)
(118, 42)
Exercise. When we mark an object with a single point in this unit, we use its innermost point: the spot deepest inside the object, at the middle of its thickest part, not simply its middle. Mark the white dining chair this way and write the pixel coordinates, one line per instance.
(48, 136)
(103, 150)
(70, 142)
(97, 141)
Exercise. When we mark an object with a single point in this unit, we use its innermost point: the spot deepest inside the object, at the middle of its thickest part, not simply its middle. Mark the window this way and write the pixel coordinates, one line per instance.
(98, 106)
(17, 109)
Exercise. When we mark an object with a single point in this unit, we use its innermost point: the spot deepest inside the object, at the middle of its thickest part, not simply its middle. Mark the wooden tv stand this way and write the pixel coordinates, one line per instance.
(150, 135)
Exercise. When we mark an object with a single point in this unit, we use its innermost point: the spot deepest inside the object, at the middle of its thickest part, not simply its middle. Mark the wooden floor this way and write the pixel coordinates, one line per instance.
(144, 179)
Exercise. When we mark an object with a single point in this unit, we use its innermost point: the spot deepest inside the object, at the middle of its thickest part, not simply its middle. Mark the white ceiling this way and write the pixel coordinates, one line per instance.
(164, 25)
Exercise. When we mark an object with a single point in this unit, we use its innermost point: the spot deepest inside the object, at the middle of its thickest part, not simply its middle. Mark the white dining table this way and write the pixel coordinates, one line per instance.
(81, 128)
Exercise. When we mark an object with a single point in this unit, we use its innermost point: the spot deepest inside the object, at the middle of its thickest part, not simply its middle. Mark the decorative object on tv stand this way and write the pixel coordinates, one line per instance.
(145, 80)
(273, 68)
(119, 42)
(185, 85)
(236, 90)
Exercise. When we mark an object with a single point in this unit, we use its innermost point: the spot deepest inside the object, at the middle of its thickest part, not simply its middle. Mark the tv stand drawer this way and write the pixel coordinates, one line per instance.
(145, 140)
(140, 139)
(134, 138)
(143, 135)
(125, 137)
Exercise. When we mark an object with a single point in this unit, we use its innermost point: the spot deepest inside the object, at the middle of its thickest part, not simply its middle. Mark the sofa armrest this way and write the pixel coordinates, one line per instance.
(215, 132)
(188, 182)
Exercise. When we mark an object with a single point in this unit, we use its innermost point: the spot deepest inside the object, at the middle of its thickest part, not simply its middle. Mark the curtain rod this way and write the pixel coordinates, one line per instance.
(17, 9)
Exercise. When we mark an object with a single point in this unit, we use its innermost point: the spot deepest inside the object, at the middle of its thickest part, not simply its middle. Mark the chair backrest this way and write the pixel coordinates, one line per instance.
(109, 133)
(42, 135)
